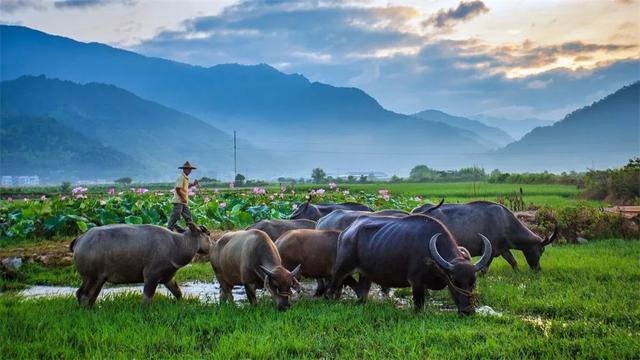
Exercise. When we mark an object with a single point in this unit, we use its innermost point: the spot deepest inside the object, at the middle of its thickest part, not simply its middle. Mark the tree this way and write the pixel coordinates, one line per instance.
(318, 175)
(124, 180)
(65, 188)
(239, 180)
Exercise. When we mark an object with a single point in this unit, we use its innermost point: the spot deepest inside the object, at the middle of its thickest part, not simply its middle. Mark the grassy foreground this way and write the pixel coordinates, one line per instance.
(584, 304)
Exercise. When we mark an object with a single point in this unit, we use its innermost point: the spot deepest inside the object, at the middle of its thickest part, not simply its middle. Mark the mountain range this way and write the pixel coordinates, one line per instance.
(158, 113)
(491, 136)
(516, 128)
(155, 136)
(302, 122)
(603, 134)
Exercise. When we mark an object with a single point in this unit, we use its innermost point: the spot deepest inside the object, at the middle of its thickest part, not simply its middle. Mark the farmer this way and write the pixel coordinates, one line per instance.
(181, 198)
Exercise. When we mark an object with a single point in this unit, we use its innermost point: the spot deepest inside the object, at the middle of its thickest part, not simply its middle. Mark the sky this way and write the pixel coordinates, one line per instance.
(512, 59)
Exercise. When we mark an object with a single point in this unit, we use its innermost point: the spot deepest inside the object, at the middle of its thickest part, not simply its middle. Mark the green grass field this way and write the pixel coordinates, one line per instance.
(538, 194)
(584, 304)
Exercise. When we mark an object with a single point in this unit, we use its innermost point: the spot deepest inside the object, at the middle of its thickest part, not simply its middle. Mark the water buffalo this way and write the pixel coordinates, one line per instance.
(495, 221)
(250, 258)
(415, 250)
(316, 211)
(123, 254)
(315, 251)
(275, 228)
(341, 219)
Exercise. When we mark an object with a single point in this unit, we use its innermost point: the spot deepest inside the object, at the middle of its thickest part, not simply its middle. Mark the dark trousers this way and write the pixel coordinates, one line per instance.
(180, 209)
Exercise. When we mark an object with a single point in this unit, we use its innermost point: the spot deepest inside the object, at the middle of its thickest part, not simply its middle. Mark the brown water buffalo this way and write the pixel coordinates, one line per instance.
(416, 251)
(124, 254)
(341, 219)
(495, 221)
(316, 211)
(275, 228)
(315, 251)
(250, 258)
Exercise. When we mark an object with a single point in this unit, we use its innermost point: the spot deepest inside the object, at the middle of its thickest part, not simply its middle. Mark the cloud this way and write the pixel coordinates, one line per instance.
(464, 12)
(72, 4)
(384, 51)
(10, 6)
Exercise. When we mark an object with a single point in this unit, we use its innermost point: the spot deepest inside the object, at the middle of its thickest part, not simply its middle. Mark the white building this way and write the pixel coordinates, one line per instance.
(7, 180)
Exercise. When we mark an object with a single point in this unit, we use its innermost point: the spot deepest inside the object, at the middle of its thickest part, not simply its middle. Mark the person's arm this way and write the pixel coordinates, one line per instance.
(194, 183)
(181, 195)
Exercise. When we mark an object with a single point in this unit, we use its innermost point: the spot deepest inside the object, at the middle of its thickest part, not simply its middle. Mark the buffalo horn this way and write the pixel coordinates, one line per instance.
(266, 271)
(436, 256)
(486, 253)
(549, 239)
(296, 271)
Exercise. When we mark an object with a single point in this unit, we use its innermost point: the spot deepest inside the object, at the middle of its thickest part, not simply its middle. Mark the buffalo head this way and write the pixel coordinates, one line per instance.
(279, 281)
(533, 253)
(460, 274)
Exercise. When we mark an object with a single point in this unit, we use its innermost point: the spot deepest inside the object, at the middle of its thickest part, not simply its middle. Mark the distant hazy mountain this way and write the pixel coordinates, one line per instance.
(604, 134)
(316, 124)
(154, 135)
(44, 146)
(491, 136)
(515, 128)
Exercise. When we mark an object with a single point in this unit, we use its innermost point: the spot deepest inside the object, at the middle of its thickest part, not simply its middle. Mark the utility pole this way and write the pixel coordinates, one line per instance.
(235, 168)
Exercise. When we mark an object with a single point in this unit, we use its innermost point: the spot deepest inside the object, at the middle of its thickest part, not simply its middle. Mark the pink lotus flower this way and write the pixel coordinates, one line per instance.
(418, 198)
(333, 186)
(78, 190)
(63, 198)
(103, 203)
(320, 192)
(142, 190)
(43, 198)
(222, 205)
(231, 185)
(216, 191)
(270, 197)
(386, 197)
(206, 199)
(383, 192)
(294, 206)
(283, 188)
(192, 191)
(312, 192)
(111, 191)
(81, 196)
(9, 198)
(259, 191)
(346, 192)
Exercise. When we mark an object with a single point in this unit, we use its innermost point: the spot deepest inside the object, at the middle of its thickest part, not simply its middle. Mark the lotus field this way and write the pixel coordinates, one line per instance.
(67, 215)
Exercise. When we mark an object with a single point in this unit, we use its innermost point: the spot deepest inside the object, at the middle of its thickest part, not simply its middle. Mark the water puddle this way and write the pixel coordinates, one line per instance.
(205, 292)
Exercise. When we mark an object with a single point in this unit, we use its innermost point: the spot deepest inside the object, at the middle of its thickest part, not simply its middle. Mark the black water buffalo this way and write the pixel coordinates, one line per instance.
(415, 250)
(340, 219)
(316, 211)
(276, 228)
(497, 222)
